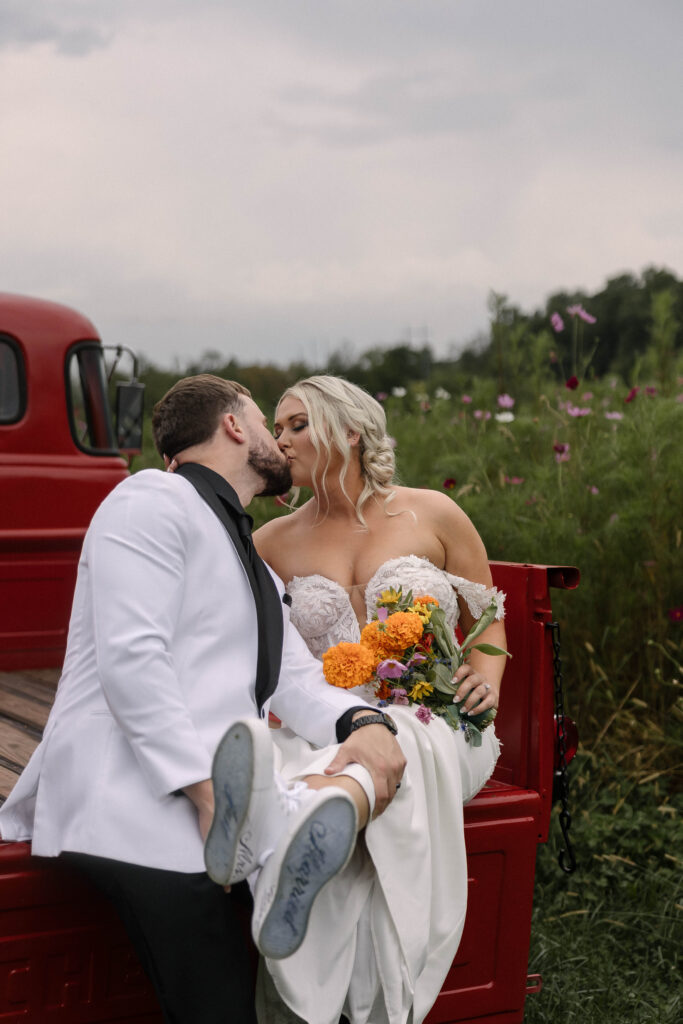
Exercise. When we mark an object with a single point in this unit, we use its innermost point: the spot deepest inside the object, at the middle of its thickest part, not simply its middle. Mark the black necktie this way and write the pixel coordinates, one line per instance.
(224, 502)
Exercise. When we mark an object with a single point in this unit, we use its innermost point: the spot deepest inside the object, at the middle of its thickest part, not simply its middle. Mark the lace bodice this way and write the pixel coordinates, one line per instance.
(323, 614)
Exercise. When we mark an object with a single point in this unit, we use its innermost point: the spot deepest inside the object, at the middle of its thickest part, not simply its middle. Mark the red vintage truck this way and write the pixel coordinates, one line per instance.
(64, 957)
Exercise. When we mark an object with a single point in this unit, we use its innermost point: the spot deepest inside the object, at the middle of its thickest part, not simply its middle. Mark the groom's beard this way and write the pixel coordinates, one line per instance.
(273, 470)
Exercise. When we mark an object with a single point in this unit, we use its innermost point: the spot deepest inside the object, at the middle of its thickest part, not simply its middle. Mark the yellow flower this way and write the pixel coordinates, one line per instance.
(347, 665)
(423, 612)
(389, 596)
(420, 690)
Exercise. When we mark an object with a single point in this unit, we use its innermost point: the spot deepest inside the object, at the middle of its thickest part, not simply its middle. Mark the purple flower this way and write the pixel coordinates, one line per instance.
(614, 415)
(399, 696)
(632, 394)
(506, 401)
(424, 714)
(650, 391)
(417, 659)
(593, 489)
(557, 322)
(390, 669)
(466, 399)
(382, 614)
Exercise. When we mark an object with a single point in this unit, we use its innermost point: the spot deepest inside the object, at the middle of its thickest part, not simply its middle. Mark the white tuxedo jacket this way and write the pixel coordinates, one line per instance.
(161, 659)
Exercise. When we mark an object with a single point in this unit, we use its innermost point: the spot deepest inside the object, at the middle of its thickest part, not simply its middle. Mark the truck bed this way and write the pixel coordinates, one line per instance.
(25, 701)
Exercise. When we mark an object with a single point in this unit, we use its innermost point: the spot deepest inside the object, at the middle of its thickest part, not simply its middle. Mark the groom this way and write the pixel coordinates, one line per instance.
(178, 632)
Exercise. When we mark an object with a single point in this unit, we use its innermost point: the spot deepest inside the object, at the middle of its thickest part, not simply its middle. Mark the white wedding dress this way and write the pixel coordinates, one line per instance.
(383, 934)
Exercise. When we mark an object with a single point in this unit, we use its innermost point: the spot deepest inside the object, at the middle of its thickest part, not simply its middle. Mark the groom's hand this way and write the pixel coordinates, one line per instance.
(376, 749)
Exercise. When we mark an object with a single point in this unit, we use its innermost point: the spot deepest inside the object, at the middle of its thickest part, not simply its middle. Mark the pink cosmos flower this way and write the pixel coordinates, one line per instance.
(632, 394)
(574, 410)
(586, 396)
(381, 396)
(561, 451)
(390, 669)
(679, 398)
(400, 696)
(578, 310)
(572, 383)
(650, 391)
(506, 401)
(614, 415)
(479, 414)
(613, 518)
(593, 489)
(466, 399)
(514, 480)
(449, 483)
(424, 714)
(557, 322)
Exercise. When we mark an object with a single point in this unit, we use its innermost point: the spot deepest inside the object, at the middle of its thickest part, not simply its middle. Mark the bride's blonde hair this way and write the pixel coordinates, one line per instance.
(334, 408)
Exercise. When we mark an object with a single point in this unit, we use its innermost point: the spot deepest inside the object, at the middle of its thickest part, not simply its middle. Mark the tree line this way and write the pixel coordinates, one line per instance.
(632, 328)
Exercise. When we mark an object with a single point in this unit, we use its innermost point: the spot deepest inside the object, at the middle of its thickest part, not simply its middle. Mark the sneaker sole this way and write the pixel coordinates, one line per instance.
(243, 763)
(319, 849)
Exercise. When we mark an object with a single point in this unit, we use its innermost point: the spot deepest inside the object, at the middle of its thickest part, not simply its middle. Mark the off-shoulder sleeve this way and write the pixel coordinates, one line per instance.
(477, 596)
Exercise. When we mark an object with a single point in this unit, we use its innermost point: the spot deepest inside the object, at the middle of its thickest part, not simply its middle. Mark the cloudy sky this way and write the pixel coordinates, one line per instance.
(276, 178)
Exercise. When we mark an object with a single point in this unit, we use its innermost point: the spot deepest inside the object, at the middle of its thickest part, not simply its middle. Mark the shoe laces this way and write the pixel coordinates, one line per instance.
(290, 796)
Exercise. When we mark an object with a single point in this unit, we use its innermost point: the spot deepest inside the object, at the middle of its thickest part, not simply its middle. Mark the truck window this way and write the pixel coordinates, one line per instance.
(12, 381)
(86, 386)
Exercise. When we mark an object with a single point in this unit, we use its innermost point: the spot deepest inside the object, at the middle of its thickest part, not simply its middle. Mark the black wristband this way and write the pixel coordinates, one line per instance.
(344, 723)
(379, 718)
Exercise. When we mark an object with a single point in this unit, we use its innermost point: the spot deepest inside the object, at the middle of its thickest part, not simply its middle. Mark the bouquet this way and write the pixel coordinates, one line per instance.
(409, 653)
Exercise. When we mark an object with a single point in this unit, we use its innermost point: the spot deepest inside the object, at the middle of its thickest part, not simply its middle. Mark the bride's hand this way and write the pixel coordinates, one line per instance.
(475, 693)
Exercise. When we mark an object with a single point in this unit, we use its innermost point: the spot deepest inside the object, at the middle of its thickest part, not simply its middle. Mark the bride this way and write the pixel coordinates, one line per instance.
(383, 934)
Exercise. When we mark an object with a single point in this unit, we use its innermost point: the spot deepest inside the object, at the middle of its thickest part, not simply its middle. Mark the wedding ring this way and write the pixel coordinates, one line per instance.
(487, 687)
(398, 785)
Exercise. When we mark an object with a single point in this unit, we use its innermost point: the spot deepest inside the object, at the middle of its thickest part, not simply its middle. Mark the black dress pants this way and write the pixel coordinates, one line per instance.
(188, 934)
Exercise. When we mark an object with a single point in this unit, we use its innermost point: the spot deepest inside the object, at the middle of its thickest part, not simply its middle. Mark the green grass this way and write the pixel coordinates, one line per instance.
(607, 940)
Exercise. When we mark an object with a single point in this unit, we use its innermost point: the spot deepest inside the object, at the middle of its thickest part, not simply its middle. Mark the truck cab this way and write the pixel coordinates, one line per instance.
(61, 452)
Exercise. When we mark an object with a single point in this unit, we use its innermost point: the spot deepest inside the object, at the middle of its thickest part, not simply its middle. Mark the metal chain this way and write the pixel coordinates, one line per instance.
(566, 858)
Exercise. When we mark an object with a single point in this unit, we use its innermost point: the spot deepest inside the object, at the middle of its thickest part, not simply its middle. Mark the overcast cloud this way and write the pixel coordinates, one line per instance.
(272, 178)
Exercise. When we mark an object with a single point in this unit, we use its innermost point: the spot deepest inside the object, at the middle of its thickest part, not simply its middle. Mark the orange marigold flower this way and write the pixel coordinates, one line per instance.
(425, 599)
(383, 691)
(347, 665)
(405, 628)
(375, 638)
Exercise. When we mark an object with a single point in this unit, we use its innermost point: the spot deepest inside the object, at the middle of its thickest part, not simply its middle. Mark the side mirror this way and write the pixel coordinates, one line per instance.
(130, 404)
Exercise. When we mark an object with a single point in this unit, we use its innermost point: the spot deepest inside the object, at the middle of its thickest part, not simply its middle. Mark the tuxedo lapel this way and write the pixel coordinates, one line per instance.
(266, 597)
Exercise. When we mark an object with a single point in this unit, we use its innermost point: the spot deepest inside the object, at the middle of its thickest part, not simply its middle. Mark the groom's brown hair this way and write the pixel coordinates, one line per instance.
(190, 412)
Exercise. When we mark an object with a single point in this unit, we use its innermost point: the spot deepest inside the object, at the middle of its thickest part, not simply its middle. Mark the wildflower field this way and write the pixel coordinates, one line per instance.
(557, 465)
(590, 477)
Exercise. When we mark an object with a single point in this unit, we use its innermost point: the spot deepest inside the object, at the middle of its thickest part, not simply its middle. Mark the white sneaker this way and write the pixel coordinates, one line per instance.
(317, 844)
(253, 805)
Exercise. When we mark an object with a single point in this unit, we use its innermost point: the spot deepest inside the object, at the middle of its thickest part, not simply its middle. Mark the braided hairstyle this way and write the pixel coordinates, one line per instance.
(334, 407)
